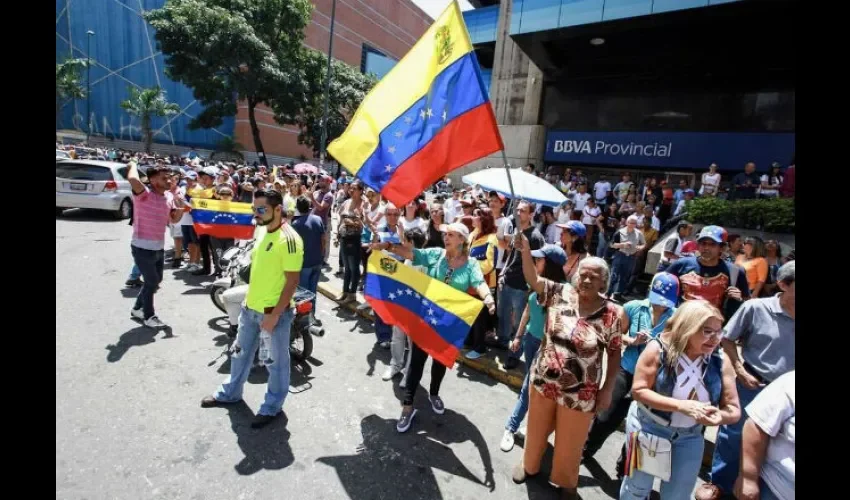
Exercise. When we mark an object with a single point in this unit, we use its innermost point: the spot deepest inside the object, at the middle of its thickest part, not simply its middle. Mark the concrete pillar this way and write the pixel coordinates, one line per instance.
(516, 92)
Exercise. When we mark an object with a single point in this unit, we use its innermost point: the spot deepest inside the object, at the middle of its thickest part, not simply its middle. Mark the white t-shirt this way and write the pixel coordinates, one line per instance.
(774, 412)
(417, 222)
(580, 200)
(501, 223)
(186, 220)
(679, 208)
(601, 189)
(589, 215)
(769, 192)
(710, 183)
(451, 208)
(377, 211)
(564, 214)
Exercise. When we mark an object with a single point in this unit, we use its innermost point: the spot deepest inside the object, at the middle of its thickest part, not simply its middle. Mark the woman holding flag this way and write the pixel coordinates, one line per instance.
(452, 266)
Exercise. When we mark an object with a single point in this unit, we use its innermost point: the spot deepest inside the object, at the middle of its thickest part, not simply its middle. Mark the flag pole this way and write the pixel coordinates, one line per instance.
(510, 181)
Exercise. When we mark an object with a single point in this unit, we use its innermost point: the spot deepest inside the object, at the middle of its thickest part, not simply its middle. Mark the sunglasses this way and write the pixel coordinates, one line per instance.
(263, 210)
(710, 332)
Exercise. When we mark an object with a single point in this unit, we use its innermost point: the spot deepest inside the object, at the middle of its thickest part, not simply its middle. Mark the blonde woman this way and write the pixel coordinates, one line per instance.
(681, 384)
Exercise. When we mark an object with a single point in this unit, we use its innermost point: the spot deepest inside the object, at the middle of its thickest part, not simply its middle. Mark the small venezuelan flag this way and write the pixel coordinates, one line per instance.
(223, 219)
(428, 116)
(435, 316)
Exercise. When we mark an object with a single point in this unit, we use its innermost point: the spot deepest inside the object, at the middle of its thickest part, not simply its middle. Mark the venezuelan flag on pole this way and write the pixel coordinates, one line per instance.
(223, 219)
(435, 316)
(429, 115)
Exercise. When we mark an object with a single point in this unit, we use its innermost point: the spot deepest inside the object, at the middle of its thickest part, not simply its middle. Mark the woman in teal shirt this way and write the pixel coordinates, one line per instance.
(646, 321)
(452, 266)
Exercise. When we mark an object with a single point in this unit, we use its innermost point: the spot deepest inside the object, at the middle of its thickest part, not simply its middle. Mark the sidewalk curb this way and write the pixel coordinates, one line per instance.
(485, 365)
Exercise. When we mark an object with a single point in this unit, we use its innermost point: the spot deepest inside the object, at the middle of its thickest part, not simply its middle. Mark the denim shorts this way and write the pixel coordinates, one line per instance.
(189, 234)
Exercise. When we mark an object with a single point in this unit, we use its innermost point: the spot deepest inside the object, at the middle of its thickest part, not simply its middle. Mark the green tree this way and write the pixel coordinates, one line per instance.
(69, 82)
(348, 88)
(147, 103)
(234, 50)
(227, 149)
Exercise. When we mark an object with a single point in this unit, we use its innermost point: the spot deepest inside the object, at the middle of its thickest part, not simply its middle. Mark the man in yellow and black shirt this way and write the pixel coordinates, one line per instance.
(276, 263)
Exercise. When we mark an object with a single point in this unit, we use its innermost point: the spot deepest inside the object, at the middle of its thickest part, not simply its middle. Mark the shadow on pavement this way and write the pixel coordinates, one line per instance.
(377, 353)
(464, 372)
(386, 457)
(219, 324)
(81, 215)
(138, 336)
(266, 448)
(610, 485)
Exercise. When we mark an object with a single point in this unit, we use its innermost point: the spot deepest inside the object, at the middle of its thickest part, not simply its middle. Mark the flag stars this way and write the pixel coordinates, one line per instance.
(408, 120)
(417, 296)
(445, 115)
(425, 302)
(422, 114)
(429, 113)
(391, 149)
(430, 312)
(399, 292)
(434, 321)
(389, 168)
(398, 134)
(392, 296)
(409, 291)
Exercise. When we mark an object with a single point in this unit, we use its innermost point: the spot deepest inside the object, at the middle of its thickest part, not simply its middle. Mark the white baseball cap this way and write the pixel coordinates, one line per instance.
(455, 227)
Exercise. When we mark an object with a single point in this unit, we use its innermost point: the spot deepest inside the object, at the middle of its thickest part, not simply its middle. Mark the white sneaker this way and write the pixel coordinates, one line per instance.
(137, 313)
(192, 268)
(154, 322)
(391, 372)
(507, 443)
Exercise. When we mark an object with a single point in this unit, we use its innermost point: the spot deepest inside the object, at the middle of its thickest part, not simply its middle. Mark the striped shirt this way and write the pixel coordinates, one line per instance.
(151, 214)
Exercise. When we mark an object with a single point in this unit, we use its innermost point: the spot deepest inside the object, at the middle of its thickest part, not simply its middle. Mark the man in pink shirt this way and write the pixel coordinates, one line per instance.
(153, 208)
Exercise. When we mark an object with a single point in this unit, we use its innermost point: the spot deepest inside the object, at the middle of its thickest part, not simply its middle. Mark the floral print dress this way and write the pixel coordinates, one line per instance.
(569, 367)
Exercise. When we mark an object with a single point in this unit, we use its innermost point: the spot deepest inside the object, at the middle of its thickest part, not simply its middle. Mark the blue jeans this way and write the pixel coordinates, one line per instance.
(248, 339)
(688, 444)
(135, 273)
(602, 245)
(621, 271)
(150, 263)
(351, 258)
(383, 331)
(310, 281)
(510, 306)
(727, 446)
(530, 345)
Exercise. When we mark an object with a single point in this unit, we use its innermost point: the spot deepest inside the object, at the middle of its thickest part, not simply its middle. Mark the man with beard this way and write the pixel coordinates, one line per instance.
(710, 278)
(276, 263)
(153, 208)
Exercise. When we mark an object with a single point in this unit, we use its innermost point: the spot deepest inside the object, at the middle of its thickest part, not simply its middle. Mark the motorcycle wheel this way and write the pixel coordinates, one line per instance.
(300, 344)
(215, 295)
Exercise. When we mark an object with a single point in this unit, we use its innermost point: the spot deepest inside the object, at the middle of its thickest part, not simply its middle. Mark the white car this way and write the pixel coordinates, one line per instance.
(62, 155)
(93, 185)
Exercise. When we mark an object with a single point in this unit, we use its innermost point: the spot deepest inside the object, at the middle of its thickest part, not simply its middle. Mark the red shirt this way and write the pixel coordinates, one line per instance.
(786, 190)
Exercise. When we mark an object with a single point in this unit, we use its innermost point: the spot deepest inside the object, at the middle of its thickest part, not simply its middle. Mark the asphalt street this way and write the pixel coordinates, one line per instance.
(129, 424)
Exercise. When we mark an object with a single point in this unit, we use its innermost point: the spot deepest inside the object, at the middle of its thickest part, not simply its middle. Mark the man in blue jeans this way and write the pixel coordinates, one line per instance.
(391, 233)
(513, 291)
(311, 228)
(627, 242)
(276, 262)
(765, 330)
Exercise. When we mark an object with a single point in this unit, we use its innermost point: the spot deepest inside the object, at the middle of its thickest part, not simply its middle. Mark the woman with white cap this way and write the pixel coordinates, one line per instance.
(452, 266)
(646, 320)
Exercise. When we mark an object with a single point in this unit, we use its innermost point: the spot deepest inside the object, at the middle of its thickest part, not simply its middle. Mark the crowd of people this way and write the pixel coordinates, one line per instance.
(552, 280)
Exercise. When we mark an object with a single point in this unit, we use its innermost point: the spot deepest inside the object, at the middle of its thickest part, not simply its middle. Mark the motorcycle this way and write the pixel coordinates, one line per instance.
(228, 294)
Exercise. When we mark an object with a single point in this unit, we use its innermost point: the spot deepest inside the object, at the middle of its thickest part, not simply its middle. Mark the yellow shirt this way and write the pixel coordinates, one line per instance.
(274, 255)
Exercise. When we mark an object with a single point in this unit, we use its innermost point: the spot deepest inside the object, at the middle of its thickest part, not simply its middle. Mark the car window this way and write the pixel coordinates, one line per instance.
(66, 170)
(123, 171)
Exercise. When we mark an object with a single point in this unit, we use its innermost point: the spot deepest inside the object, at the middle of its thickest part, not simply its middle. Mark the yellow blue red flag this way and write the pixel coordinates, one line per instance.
(436, 316)
(223, 219)
(428, 116)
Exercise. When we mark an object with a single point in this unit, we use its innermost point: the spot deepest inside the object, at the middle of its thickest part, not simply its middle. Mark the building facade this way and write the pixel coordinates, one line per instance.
(647, 86)
(369, 34)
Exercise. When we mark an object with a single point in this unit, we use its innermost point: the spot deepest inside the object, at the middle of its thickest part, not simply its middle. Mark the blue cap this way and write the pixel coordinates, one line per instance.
(192, 174)
(664, 290)
(714, 233)
(552, 252)
(575, 227)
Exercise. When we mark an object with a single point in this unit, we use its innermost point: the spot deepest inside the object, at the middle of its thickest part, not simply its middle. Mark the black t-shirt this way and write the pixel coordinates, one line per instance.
(612, 223)
(513, 269)
(434, 237)
(741, 191)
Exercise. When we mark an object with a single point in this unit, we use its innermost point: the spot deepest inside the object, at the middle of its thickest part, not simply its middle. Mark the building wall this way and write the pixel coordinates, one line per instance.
(125, 53)
(389, 26)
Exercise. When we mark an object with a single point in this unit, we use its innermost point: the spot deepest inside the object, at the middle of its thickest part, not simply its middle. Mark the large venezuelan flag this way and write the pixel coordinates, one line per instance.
(435, 316)
(223, 219)
(428, 116)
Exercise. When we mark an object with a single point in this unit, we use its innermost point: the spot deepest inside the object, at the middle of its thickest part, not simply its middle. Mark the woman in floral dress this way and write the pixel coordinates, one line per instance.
(580, 326)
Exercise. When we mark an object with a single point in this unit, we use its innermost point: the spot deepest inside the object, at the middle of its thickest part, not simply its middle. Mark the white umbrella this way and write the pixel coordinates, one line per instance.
(526, 186)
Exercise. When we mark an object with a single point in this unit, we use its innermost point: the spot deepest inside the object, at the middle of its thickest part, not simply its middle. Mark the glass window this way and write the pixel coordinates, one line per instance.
(539, 15)
(619, 9)
(668, 5)
(576, 12)
(76, 171)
